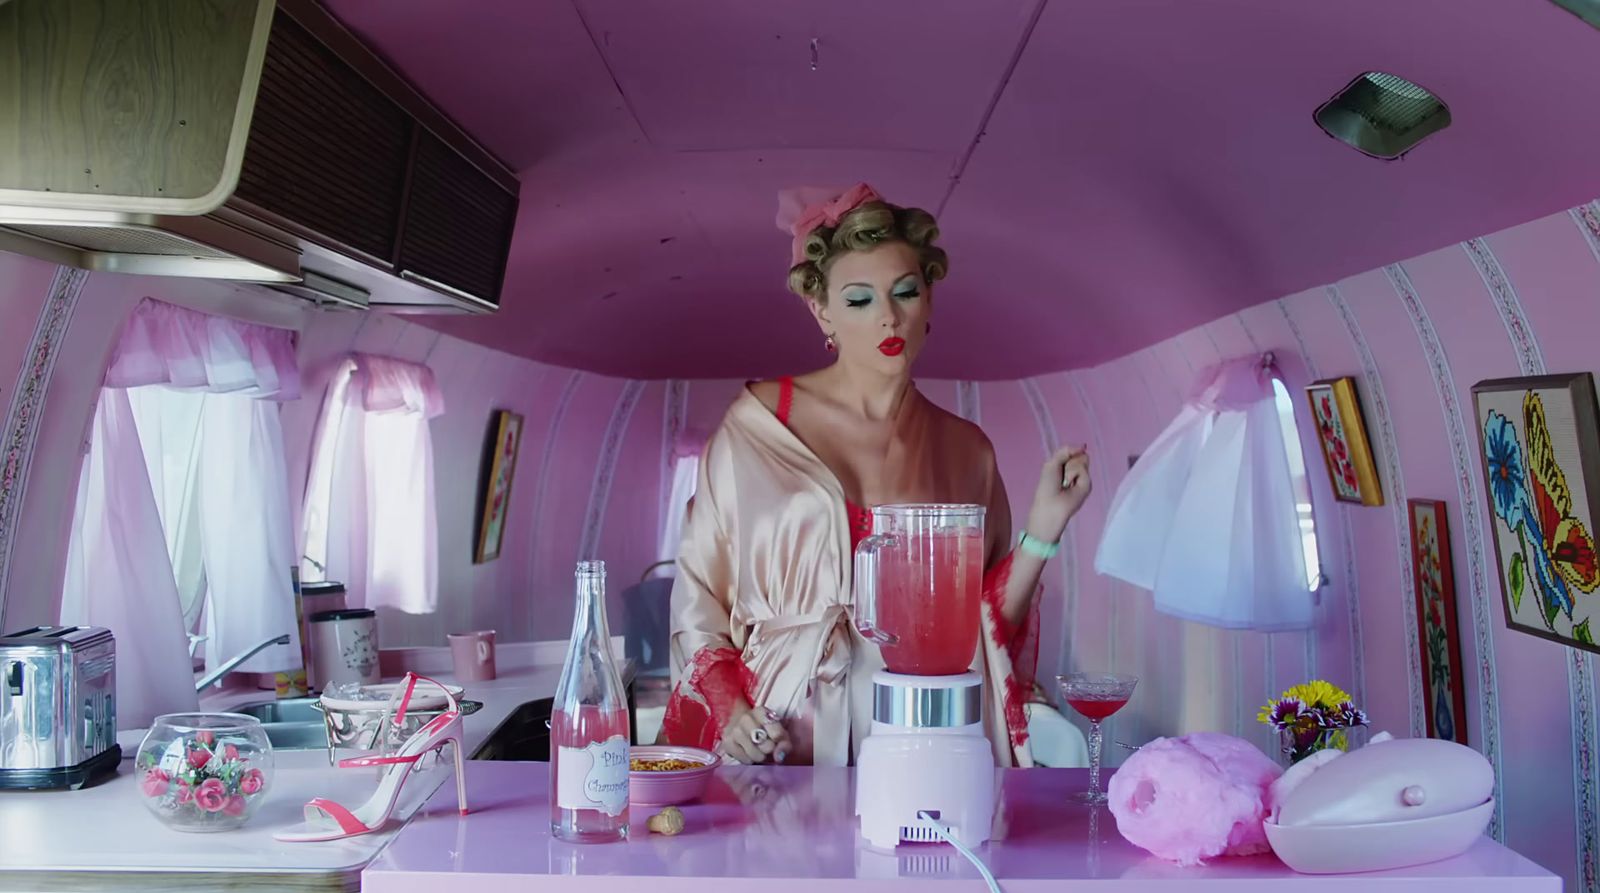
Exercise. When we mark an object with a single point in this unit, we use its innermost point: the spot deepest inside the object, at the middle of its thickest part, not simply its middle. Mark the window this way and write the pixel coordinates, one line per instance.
(1302, 486)
(685, 476)
(182, 515)
(370, 518)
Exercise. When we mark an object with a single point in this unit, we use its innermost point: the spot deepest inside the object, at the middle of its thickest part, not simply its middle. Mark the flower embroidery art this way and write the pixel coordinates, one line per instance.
(1555, 554)
(1335, 445)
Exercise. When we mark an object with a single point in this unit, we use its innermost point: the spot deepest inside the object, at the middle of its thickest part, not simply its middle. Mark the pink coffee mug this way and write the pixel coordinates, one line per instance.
(473, 655)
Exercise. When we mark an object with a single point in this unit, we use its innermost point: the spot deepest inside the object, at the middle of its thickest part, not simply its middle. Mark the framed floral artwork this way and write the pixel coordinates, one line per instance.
(505, 437)
(1443, 684)
(1539, 440)
(1343, 435)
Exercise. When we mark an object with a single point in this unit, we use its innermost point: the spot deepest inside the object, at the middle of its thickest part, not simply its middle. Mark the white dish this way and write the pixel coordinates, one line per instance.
(1376, 846)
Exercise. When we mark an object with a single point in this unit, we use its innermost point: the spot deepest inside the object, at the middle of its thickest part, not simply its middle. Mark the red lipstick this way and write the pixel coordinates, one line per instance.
(891, 347)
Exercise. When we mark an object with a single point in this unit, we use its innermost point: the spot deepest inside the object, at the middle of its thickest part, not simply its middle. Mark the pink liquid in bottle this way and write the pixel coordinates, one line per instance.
(589, 727)
(929, 599)
(589, 774)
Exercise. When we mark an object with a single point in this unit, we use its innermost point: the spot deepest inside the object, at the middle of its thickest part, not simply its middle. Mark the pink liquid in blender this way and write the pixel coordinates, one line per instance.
(570, 739)
(930, 586)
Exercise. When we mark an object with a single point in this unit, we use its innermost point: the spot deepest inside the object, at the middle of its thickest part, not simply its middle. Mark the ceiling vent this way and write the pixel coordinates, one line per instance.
(1588, 10)
(1383, 115)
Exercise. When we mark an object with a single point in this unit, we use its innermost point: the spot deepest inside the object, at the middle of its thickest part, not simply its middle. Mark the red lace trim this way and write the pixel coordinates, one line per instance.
(785, 399)
(703, 703)
(1021, 645)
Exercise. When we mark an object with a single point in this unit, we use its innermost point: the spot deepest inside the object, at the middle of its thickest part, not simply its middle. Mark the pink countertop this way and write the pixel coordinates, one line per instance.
(787, 828)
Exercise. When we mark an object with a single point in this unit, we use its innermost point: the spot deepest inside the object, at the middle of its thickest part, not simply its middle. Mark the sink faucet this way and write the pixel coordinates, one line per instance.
(216, 675)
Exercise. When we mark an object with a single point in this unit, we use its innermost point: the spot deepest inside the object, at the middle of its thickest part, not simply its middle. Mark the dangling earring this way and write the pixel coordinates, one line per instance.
(830, 345)
(928, 330)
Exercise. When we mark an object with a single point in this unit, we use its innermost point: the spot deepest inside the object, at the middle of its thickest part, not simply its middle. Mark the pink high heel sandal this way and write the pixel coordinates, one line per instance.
(327, 820)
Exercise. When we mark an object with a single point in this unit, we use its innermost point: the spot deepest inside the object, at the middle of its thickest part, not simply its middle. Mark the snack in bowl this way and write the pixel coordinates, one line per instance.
(639, 764)
(668, 774)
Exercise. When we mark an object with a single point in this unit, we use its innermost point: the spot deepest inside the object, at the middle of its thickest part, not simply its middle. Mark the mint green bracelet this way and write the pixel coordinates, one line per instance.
(1042, 551)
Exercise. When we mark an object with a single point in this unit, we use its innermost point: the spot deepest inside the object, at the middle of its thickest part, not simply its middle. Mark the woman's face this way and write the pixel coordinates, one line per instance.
(878, 307)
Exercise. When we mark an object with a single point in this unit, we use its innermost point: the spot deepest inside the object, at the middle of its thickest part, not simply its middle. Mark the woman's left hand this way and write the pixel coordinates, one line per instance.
(1063, 486)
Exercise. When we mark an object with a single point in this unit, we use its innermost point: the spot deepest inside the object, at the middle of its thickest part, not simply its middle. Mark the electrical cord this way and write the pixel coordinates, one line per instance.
(944, 834)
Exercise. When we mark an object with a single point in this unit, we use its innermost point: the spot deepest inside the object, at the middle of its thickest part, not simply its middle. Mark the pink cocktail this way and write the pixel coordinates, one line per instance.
(1096, 696)
(1096, 709)
(918, 583)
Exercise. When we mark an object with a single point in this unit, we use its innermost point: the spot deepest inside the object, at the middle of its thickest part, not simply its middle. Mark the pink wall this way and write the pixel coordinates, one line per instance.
(1416, 335)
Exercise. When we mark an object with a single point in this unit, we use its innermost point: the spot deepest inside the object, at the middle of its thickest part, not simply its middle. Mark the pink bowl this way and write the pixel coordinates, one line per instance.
(647, 788)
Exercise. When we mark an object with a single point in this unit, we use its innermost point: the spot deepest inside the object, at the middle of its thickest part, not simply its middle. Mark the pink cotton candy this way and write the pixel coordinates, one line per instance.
(1193, 798)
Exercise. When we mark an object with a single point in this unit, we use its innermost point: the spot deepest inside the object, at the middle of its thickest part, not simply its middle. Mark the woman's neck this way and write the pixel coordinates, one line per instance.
(875, 396)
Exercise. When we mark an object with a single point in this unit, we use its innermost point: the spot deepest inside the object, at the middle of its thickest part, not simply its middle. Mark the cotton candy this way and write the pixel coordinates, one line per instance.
(1193, 798)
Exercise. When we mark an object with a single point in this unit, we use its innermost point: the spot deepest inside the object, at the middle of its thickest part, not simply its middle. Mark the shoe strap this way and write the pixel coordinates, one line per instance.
(344, 818)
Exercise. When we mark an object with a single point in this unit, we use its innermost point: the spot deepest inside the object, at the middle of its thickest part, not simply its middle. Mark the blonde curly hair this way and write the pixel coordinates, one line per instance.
(864, 227)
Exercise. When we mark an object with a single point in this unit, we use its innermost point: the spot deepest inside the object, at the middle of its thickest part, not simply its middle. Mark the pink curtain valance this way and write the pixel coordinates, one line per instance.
(162, 343)
(392, 385)
(1233, 385)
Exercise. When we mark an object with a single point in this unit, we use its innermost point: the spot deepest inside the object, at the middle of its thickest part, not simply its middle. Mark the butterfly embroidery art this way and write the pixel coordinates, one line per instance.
(1556, 553)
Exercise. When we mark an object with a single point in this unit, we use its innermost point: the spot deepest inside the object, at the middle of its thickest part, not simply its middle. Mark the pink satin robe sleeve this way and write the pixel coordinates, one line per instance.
(761, 607)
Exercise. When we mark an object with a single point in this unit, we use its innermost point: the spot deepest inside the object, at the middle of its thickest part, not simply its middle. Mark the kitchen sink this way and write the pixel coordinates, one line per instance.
(287, 710)
(290, 724)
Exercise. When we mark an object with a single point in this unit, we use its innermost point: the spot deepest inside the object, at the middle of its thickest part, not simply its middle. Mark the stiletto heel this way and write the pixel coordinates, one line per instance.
(327, 820)
(461, 778)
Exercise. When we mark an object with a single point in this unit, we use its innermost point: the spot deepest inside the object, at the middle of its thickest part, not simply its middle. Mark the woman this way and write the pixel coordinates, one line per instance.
(767, 664)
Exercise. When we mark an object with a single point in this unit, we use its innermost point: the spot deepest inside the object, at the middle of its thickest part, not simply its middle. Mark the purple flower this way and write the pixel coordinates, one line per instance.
(1287, 714)
(1350, 715)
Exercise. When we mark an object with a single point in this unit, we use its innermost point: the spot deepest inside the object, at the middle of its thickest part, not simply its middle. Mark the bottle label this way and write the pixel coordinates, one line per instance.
(594, 777)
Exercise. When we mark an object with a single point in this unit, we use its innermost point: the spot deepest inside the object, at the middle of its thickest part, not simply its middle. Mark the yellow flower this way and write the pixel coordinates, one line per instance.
(1318, 693)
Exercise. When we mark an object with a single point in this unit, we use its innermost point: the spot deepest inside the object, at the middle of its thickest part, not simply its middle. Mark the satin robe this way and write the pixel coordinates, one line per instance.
(762, 603)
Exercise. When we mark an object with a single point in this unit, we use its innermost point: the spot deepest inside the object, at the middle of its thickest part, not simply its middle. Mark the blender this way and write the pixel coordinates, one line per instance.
(918, 581)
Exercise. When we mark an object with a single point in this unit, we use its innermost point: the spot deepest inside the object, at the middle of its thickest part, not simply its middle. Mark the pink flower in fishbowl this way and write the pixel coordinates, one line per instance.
(211, 796)
(154, 783)
(204, 771)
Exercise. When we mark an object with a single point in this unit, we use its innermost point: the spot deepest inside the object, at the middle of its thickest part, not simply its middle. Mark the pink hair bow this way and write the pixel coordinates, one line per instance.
(803, 209)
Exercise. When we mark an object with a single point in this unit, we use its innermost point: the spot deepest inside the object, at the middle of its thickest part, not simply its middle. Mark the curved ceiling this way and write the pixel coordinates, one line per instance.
(1106, 172)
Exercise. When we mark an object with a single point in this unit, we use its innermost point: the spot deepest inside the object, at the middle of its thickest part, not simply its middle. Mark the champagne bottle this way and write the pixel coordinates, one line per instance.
(589, 726)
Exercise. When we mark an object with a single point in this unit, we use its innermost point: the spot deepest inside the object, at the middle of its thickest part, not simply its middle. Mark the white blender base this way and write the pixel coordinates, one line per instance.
(949, 773)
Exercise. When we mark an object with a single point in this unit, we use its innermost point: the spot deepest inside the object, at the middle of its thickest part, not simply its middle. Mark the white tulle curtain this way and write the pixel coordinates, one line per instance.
(1206, 519)
(685, 475)
(184, 496)
(370, 518)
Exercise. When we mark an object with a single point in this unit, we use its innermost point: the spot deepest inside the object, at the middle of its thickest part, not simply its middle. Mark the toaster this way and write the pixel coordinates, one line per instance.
(58, 707)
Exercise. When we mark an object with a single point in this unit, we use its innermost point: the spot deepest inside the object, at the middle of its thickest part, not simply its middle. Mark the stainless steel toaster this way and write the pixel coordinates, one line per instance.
(58, 707)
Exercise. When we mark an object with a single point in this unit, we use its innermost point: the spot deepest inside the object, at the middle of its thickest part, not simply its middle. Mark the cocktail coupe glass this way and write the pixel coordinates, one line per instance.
(1095, 696)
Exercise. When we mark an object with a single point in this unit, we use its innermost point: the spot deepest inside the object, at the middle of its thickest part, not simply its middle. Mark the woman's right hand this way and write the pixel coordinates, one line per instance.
(753, 735)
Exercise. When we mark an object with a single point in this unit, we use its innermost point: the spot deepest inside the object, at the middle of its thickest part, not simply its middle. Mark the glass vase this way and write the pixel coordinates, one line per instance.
(1297, 744)
(204, 771)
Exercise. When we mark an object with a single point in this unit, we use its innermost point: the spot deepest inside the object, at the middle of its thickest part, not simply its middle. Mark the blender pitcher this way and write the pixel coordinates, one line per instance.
(917, 584)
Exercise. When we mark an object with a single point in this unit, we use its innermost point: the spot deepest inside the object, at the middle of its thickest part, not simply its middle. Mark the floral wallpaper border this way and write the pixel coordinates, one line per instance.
(21, 431)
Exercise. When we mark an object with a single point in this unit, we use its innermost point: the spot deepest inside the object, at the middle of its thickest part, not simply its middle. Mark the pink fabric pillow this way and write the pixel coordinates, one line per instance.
(1194, 798)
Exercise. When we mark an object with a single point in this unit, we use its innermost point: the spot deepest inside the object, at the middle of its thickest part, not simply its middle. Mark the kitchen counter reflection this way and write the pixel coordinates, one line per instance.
(795, 826)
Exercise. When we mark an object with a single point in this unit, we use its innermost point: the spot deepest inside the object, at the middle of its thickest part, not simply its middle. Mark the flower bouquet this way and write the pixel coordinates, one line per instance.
(1312, 717)
(204, 771)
